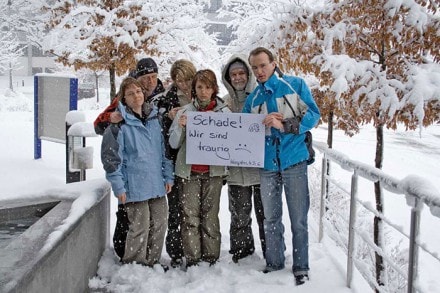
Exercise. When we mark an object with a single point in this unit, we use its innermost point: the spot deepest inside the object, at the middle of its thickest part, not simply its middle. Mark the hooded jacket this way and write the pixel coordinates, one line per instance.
(284, 94)
(232, 98)
(242, 176)
(178, 141)
(133, 156)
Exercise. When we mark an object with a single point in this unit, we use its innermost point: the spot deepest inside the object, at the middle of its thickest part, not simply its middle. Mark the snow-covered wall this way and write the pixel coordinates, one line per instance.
(60, 252)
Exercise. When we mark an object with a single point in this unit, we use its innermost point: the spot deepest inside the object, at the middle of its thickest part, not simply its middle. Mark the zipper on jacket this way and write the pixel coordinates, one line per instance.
(277, 161)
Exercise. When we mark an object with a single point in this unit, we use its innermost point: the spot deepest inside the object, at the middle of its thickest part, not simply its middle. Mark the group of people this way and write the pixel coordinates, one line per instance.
(144, 156)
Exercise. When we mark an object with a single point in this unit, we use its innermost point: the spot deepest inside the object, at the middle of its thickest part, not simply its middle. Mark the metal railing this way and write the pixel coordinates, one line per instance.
(415, 196)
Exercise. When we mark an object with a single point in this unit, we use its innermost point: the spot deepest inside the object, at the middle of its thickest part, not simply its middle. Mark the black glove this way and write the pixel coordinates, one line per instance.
(291, 125)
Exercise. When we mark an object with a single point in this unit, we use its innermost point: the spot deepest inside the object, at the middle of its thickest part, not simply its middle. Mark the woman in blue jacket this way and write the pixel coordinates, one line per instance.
(133, 155)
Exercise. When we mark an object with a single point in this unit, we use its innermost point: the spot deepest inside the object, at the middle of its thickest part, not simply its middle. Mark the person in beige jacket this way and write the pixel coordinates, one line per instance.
(243, 182)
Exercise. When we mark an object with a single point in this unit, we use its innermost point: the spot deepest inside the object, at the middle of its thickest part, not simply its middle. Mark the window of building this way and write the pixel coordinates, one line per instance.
(215, 5)
(36, 70)
(36, 52)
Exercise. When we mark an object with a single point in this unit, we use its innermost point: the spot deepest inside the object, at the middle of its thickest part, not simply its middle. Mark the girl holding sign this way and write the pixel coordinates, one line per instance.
(201, 184)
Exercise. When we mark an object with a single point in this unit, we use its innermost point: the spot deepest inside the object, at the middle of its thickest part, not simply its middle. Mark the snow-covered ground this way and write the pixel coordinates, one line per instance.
(406, 152)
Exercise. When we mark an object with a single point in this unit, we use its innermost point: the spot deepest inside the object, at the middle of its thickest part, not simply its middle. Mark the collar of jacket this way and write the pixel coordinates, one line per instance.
(271, 84)
(158, 90)
(148, 110)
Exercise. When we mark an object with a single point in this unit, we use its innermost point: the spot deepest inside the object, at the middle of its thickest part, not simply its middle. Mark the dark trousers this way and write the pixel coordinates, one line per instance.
(173, 240)
(121, 230)
(240, 206)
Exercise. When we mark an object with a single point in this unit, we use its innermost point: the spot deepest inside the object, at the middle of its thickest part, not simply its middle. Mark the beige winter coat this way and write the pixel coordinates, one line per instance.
(242, 176)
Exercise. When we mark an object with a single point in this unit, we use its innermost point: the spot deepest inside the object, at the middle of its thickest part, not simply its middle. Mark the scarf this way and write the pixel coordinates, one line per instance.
(203, 107)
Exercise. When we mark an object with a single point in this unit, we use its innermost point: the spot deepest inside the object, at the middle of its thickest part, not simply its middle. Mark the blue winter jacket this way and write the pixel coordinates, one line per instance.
(133, 155)
(277, 94)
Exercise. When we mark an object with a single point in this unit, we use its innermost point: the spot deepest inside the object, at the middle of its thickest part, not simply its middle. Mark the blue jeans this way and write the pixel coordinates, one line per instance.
(295, 182)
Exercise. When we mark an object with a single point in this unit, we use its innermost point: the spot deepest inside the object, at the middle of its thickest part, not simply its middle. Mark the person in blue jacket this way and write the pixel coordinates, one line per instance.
(290, 112)
(133, 156)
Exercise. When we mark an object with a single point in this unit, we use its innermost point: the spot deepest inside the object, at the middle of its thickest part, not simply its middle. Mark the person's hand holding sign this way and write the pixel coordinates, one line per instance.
(275, 120)
(172, 113)
(182, 121)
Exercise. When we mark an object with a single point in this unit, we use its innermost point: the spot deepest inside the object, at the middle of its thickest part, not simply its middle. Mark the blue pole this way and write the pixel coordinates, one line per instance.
(73, 101)
(37, 141)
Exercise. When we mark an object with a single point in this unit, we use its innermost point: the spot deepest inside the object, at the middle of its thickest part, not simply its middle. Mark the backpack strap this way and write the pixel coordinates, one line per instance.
(290, 105)
(287, 102)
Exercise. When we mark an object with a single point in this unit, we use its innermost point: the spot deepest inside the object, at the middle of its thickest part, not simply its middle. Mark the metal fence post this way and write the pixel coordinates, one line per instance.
(413, 247)
(323, 197)
(351, 227)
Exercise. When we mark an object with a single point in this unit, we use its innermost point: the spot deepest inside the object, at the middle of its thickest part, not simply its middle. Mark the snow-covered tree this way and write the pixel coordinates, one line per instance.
(24, 17)
(113, 35)
(99, 35)
(9, 54)
(182, 34)
(10, 49)
(375, 61)
(380, 64)
(258, 15)
(337, 44)
(24, 20)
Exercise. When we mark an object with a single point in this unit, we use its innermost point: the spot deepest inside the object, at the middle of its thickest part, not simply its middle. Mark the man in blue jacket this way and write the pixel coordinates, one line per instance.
(290, 112)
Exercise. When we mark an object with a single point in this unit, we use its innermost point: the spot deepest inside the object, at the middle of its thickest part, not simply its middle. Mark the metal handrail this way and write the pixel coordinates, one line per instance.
(415, 197)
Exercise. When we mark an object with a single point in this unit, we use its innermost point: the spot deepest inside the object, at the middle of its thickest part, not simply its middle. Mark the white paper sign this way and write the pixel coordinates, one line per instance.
(225, 139)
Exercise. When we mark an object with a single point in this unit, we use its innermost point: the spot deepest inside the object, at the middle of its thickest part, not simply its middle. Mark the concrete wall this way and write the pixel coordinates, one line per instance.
(71, 261)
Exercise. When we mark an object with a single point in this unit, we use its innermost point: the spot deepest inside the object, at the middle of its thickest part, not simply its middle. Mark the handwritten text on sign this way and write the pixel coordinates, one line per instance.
(225, 139)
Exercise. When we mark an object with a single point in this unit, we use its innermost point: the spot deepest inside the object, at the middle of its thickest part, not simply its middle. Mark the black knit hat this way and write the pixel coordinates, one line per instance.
(132, 73)
(145, 66)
